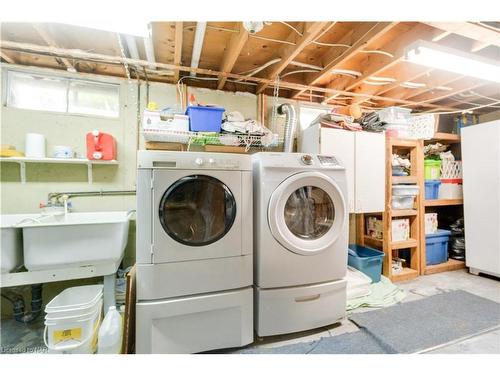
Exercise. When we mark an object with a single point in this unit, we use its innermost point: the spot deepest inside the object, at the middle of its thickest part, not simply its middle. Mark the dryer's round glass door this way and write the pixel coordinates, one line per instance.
(197, 210)
(309, 212)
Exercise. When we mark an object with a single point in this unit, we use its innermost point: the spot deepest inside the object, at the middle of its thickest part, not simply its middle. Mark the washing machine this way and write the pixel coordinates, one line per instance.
(194, 252)
(300, 241)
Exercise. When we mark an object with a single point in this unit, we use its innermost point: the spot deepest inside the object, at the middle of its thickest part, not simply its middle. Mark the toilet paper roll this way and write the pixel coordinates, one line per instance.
(34, 146)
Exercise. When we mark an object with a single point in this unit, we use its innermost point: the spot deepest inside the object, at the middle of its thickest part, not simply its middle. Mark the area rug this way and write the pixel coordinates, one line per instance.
(404, 328)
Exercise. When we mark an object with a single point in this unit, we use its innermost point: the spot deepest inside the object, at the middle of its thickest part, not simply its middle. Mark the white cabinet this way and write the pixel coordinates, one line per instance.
(363, 155)
(481, 176)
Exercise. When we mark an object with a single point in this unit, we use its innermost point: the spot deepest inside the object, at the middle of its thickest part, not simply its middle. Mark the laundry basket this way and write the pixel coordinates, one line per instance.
(72, 320)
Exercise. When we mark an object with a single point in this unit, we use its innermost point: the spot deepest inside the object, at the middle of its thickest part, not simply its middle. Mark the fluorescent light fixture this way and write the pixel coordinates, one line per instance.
(199, 36)
(126, 26)
(452, 60)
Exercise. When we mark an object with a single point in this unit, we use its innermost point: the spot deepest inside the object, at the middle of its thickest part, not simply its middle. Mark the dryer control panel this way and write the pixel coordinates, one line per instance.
(328, 160)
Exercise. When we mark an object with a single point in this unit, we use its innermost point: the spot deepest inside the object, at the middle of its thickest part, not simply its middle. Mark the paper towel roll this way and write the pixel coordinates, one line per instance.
(34, 145)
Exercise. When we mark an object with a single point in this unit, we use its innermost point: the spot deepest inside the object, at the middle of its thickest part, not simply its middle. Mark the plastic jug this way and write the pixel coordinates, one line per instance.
(110, 333)
(100, 146)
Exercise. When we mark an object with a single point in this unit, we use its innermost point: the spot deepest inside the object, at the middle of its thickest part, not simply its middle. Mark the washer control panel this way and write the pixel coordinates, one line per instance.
(328, 160)
(306, 159)
(212, 162)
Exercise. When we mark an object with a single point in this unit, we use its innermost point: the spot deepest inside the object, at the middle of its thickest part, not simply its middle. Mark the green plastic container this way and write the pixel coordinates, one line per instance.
(432, 169)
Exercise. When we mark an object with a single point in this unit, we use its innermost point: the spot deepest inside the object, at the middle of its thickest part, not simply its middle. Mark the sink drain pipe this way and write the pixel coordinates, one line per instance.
(18, 304)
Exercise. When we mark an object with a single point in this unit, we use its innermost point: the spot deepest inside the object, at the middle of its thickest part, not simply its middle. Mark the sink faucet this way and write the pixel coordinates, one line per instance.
(57, 201)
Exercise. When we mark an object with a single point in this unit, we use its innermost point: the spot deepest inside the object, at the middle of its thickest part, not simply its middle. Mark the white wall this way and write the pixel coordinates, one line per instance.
(64, 129)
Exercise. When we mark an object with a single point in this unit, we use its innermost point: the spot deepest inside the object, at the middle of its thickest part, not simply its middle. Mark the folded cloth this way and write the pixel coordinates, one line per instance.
(383, 294)
(250, 127)
(337, 121)
(234, 116)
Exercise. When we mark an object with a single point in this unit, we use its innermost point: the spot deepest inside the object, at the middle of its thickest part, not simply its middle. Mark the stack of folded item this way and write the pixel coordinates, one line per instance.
(337, 121)
(382, 294)
(370, 121)
(235, 123)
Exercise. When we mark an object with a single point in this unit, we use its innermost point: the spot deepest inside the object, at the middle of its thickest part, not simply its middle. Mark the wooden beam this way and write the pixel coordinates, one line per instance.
(375, 65)
(232, 52)
(470, 30)
(179, 28)
(411, 76)
(117, 60)
(358, 40)
(289, 52)
(47, 38)
(7, 58)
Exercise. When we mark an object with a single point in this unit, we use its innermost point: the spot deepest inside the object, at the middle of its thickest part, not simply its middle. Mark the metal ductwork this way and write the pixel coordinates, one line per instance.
(290, 125)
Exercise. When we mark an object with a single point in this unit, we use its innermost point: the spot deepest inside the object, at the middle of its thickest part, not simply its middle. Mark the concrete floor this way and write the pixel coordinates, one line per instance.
(421, 287)
(29, 338)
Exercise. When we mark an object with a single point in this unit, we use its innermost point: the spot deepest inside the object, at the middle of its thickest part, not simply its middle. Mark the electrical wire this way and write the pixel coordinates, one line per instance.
(376, 51)
(469, 103)
(271, 39)
(466, 109)
(315, 41)
(299, 71)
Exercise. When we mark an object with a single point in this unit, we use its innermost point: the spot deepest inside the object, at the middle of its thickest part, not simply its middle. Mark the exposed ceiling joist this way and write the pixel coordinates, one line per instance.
(233, 50)
(117, 60)
(358, 39)
(374, 65)
(412, 73)
(7, 58)
(132, 46)
(47, 38)
(178, 47)
(289, 52)
(199, 36)
(470, 30)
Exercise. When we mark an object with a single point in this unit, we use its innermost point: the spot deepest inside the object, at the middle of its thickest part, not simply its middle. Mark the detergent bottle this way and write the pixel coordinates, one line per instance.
(110, 333)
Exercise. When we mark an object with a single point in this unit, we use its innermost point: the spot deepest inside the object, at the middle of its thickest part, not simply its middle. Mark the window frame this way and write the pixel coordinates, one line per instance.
(7, 77)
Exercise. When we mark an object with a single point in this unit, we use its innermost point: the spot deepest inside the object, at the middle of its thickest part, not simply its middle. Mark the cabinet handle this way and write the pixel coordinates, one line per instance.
(308, 298)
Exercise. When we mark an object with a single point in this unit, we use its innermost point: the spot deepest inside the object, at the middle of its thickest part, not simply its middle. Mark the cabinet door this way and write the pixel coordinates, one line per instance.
(369, 172)
(340, 143)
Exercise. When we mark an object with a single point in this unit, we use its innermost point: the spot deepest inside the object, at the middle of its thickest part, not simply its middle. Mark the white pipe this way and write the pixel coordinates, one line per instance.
(150, 52)
(132, 47)
(199, 36)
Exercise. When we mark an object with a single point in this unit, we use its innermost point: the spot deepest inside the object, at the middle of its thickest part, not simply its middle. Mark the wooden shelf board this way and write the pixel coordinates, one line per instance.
(443, 202)
(403, 142)
(405, 274)
(445, 137)
(404, 244)
(399, 213)
(371, 241)
(450, 265)
(404, 179)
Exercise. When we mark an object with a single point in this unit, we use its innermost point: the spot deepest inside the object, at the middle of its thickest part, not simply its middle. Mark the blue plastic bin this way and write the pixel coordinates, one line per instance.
(432, 189)
(205, 119)
(366, 260)
(436, 247)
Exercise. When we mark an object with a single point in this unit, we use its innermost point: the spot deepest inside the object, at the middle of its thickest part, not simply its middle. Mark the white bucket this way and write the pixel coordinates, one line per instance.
(73, 319)
(78, 300)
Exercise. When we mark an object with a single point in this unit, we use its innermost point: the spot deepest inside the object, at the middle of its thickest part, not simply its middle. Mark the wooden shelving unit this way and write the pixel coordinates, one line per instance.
(391, 248)
(451, 264)
(443, 202)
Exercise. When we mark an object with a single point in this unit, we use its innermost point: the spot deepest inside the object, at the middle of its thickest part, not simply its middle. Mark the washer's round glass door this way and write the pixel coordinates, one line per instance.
(309, 212)
(197, 210)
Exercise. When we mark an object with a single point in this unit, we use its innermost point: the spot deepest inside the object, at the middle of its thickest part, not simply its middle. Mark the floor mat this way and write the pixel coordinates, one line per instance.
(414, 326)
(405, 328)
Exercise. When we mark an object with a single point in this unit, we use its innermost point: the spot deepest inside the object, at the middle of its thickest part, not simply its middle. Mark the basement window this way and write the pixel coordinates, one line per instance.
(62, 95)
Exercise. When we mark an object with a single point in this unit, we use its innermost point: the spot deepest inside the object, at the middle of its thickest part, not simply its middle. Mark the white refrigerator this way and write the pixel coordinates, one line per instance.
(481, 184)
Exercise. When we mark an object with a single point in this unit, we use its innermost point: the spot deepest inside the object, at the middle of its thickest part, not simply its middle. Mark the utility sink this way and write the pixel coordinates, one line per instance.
(74, 239)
